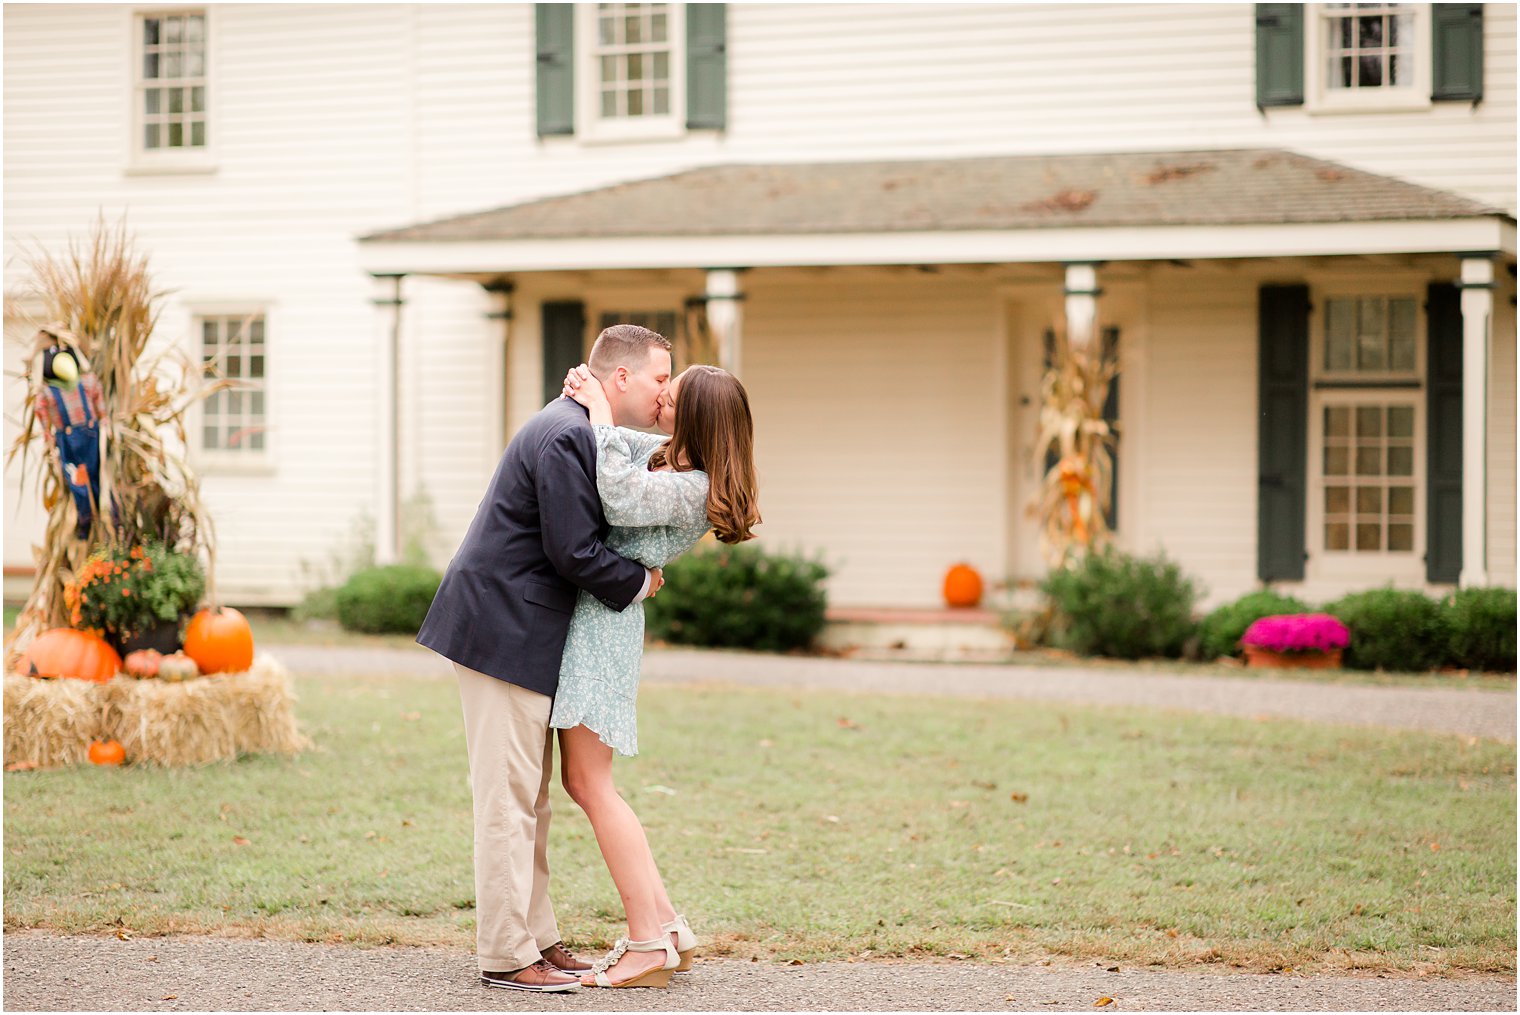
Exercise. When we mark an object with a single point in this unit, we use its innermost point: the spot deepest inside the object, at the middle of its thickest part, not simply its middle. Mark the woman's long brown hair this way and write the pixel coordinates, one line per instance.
(715, 432)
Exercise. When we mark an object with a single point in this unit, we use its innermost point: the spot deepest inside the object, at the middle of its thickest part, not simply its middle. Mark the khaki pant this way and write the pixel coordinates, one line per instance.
(506, 731)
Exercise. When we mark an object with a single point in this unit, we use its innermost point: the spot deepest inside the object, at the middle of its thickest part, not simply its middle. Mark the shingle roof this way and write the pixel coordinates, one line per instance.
(1236, 187)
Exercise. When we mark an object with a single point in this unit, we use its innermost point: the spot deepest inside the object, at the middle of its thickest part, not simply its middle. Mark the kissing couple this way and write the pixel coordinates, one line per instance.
(539, 611)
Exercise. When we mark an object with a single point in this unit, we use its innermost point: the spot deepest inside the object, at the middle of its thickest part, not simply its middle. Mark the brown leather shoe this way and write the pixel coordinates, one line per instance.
(540, 976)
(562, 958)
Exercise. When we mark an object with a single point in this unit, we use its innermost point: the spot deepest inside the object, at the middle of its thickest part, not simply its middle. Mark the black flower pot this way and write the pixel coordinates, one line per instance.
(163, 636)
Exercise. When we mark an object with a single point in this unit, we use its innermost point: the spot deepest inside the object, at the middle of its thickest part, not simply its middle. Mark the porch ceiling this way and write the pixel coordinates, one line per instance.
(1236, 203)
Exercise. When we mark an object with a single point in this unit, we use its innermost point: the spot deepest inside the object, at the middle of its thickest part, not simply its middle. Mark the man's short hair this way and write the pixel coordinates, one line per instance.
(625, 345)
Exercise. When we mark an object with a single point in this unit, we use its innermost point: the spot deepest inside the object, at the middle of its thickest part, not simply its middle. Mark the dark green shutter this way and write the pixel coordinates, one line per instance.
(1443, 435)
(1457, 57)
(1282, 432)
(555, 32)
(1279, 54)
(564, 344)
(706, 66)
(1110, 416)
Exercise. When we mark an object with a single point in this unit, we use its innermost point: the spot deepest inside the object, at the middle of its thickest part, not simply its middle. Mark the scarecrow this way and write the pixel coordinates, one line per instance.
(70, 405)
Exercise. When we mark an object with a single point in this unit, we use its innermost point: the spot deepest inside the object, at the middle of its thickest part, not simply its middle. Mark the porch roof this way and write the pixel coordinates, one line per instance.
(1059, 207)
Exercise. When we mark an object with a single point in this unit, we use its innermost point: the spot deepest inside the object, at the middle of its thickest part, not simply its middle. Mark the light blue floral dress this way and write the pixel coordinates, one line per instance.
(654, 517)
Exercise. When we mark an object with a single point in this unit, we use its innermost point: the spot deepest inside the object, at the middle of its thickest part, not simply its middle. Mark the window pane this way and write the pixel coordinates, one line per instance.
(633, 28)
(198, 133)
(1337, 461)
(1372, 331)
(1400, 28)
(173, 65)
(1339, 316)
(208, 337)
(1401, 334)
(176, 135)
(150, 66)
(661, 101)
(1340, 72)
(609, 102)
(609, 69)
(1340, 33)
(234, 365)
(661, 66)
(1370, 32)
(1338, 422)
(1337, 536)
(1401, 500)
(234, 400)
(1369, 500)
(1369, 537)
(150, 31)
(256, 330)
(152, 101)
(1401, 538)
(1398, 69)
(172, 28)
(657, 28)
(256, 403)
(256, 367)
(176, 100)
(1369, 72)
(1337, 500)
(151, 136)
(195, 28)
(1369, 461)
(256, 441)
(1401, 461)
(209, 435)
(1400, 421)
(635, 67)
(1369, 421)
(636, 102)
(606, 31)
(195, 64)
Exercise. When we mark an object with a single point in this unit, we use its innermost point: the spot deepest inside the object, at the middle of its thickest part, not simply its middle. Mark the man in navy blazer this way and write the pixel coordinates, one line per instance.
(501, 616)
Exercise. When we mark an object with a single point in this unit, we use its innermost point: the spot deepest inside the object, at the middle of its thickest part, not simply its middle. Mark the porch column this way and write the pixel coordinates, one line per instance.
(388, 345)
(499, 291)
(1081, 304)
(724, 317)
(1477, 285)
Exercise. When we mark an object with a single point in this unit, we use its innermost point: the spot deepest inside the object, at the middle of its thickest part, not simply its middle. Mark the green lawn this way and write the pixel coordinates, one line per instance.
(811, 826)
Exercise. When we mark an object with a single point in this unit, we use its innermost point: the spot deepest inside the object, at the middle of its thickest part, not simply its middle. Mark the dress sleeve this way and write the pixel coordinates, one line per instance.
(633, 496)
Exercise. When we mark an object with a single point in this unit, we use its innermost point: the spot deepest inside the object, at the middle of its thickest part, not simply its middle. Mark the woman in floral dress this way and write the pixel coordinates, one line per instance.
(659, 497)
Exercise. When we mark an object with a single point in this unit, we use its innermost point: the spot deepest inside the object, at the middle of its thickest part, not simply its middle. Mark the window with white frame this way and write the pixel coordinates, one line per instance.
(170, 96)
(631, 69)
(234, 421)
(1367, 407)
(1369, 56)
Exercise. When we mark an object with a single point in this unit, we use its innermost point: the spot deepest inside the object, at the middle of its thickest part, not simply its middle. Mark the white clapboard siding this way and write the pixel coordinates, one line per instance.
(879, 438)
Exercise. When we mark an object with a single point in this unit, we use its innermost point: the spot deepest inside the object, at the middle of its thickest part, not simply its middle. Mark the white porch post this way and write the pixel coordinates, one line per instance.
(500, 294)
(1081, 304)
(724, 316)
(388, 343)
(1477, 284)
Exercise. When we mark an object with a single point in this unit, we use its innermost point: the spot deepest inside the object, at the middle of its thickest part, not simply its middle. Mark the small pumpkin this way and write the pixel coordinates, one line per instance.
(963, 586)
(65, 652)
(220, 641)
(143, 664)
(109, 752)
(177, 668)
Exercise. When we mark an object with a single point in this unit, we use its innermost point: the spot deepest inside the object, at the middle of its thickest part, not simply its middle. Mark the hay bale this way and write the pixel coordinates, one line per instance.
(51, 722)
(209, 719)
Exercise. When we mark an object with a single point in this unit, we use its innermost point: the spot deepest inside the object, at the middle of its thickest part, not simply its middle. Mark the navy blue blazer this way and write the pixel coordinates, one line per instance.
(505, 602)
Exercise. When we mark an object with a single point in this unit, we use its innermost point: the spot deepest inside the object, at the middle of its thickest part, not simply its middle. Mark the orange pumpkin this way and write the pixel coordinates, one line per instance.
(65, 652)
(220, 641)
(963, 586)
(108, 753)
(143, 664)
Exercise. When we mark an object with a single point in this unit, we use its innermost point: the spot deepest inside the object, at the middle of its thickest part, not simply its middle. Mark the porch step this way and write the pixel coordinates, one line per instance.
(968, 635)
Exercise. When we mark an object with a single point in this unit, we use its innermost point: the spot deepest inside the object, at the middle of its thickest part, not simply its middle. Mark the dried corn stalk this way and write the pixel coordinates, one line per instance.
(1078, 488)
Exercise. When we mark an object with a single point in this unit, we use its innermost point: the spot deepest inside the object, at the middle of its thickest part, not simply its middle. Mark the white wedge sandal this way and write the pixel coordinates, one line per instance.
(658, 977)
(686, 941)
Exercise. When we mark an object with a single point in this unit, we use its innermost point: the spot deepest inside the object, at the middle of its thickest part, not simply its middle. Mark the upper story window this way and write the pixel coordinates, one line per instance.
(628, 72)
(1370, 337)
(170, 111)
(1369, 46)
(234, 422)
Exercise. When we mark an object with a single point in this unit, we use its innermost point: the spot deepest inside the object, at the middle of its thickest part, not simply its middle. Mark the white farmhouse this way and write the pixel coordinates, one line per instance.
(1297, 223)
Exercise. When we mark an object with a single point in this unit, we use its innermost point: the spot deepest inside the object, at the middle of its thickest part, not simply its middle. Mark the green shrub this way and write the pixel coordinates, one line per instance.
(740, 597)
(387, 600)
(1392, 629)
(1480, 625)
(1219, 634)
(1111, 604)
(318, 604)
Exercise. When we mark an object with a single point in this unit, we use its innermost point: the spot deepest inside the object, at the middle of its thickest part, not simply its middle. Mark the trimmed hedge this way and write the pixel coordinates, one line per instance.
(740, 597)
(1219, 634)
(1112, 604)
(1392, 629)
(387, 600)
(1480, 625)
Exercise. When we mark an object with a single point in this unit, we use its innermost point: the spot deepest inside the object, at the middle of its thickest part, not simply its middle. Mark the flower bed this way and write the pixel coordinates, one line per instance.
(49, 723)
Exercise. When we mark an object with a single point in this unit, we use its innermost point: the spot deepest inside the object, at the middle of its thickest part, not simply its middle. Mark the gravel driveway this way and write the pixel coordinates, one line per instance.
(48, 973)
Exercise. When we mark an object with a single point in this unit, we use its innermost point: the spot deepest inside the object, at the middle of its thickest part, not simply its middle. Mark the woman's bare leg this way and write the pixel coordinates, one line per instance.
(586, 771)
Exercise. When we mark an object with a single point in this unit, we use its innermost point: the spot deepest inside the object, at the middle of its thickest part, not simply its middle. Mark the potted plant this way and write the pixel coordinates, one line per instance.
(1296, 640)
(136, 597)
